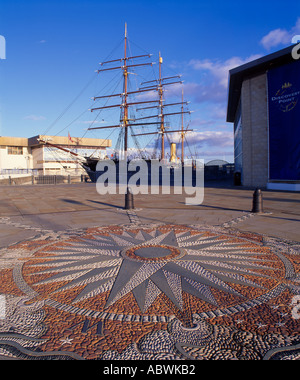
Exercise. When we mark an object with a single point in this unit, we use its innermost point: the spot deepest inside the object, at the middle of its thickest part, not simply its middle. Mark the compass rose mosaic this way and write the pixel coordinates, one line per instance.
(184, 288)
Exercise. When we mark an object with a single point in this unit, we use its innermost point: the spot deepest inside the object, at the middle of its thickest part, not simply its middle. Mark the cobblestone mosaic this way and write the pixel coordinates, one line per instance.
(151, 292)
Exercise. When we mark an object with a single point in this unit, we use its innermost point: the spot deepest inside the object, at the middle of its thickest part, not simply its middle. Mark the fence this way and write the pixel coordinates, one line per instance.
(49, 179)
(19, 171)
(42, 180)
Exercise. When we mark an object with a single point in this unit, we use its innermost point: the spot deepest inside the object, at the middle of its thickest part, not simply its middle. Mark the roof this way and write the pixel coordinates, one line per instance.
(76, 141)
(13, 141)
(251, 69)
(216, 163)
(57, 140)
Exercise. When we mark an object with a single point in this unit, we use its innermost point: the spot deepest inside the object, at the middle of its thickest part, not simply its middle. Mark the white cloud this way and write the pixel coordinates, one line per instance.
(213, 87)
(275, 38)
(207, 144)
(220, 69)
(34, 117)
(213, 138)
(205, 92)
(209, 139)
(280, 36)
(144, 96)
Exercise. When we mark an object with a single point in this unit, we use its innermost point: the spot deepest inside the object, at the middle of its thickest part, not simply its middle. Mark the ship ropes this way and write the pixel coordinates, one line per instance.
(151, 112)
(141, 111)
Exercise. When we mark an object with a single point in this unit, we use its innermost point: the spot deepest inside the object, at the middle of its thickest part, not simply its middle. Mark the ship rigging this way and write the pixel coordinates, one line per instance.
(153, 86)
(147, 97)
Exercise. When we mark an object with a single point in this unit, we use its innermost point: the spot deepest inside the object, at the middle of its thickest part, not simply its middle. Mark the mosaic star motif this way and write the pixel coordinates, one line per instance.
(148, 264)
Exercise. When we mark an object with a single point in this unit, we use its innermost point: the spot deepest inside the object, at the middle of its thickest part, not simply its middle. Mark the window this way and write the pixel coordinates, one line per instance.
(16, 150)
(238, 142)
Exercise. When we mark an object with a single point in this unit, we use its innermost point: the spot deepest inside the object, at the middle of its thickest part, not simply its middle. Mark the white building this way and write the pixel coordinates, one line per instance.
(21, 156)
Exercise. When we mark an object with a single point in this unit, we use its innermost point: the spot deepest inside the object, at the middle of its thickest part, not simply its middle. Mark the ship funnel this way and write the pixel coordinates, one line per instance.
(173, 157)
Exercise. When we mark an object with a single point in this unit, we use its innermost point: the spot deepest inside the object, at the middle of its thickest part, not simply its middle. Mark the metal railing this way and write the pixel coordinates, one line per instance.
(19, 171)
(41, 180)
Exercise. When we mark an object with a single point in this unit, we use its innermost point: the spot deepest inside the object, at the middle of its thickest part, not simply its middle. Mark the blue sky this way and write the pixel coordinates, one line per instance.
(54, 47)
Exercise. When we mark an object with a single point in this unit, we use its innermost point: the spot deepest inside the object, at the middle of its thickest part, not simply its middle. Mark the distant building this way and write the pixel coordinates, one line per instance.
(218, 170)
(264, 105)
(22, 156)
(219, 163)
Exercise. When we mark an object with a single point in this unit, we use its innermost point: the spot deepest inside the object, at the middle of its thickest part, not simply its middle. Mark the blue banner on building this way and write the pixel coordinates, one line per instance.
(284, 122)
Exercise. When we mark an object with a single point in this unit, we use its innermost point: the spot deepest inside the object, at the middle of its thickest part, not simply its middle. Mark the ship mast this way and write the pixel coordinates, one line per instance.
(152, 85)
(182, 131)
(125, 122)
(162, 124)
(159, 85)
(125, 105)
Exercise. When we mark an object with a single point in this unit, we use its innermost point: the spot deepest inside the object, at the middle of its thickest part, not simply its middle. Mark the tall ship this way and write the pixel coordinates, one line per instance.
(143, 111)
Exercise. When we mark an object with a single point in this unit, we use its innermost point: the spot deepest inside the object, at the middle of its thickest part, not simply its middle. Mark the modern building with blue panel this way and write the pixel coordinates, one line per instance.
(264, 105)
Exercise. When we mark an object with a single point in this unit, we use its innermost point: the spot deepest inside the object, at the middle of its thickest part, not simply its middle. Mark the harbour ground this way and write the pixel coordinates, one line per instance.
(62, 207)
(182, 281)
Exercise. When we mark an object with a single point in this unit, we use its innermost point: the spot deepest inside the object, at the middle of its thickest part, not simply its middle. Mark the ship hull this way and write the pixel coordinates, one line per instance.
(174, 171)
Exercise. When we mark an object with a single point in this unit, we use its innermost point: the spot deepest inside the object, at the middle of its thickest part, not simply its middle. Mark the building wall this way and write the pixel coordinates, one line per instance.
(255, 131)
(31, 154)
(15, 161)
(59, 163)
(38, 157)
